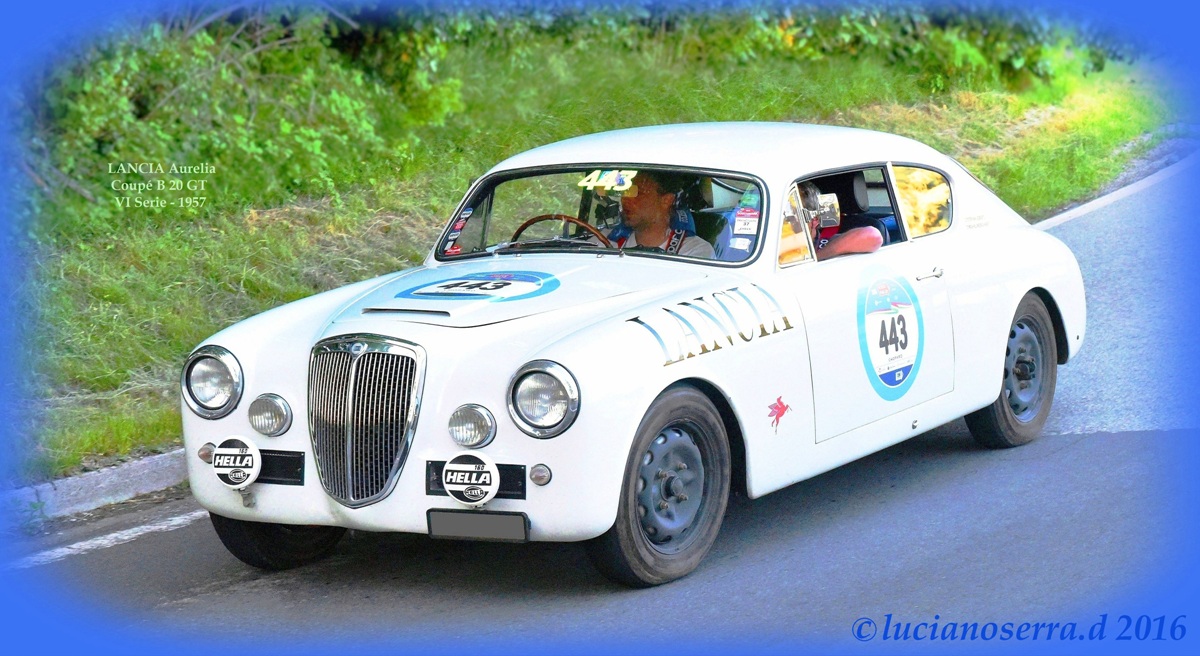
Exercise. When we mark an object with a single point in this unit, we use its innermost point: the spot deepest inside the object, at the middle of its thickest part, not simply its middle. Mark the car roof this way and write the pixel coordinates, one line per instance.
(764, 149)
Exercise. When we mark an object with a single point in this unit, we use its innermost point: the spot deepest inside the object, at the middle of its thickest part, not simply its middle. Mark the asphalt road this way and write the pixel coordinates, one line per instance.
(1097, 517)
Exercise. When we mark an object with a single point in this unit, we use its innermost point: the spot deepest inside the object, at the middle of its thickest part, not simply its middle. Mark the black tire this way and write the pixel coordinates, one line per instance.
(275, 546)
(1017, 416)
(679, 460)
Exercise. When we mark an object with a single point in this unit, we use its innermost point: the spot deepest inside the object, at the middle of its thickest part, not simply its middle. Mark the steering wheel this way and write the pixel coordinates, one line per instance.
(563, 217)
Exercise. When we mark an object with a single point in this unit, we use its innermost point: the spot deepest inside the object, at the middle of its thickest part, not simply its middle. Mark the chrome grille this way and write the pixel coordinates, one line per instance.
(363, 399)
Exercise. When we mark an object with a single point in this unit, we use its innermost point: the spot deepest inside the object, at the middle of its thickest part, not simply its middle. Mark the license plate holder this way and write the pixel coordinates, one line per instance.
(489, 526)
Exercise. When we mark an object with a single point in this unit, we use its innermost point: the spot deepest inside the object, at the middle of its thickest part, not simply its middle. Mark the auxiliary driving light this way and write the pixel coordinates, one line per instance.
(270, 415)
(472, 426)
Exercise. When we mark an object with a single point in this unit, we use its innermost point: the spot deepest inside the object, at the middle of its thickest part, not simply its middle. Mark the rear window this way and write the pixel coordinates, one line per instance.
(924, 199)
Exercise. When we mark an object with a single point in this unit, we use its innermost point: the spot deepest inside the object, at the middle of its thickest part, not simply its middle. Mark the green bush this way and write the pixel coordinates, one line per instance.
(264, 100)
(294, 101)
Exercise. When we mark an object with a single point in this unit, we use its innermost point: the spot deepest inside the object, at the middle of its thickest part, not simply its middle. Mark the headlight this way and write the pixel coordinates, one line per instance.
(270, 415)
(212, 382)
(472, 426)
(543, 398)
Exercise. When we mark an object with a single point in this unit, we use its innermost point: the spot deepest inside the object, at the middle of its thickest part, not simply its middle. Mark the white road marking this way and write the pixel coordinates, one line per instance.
(105, 541)
(1109, 199)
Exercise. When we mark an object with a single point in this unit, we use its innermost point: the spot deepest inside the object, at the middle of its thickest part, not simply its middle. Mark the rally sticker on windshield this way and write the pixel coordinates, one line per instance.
(611, 180)
(499, 286)
(891, 332)
(745, 221)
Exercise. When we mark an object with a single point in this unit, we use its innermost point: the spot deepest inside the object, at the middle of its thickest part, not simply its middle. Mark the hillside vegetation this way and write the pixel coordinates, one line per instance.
(339, 142)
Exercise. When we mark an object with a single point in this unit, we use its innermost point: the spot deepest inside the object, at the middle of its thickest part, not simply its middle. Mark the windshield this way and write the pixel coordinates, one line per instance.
(647, 210)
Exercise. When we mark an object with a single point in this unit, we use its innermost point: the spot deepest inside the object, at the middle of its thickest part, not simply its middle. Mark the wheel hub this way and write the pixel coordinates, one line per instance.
(674, 488)
(1022, 371)
(670, 486)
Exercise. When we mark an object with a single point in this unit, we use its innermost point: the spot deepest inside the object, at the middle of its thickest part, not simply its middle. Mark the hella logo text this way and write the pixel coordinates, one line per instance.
(474, 493)
(468, 478)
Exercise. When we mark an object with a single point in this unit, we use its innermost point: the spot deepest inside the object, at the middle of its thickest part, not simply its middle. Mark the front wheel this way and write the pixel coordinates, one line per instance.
(674, 495)
(275, 546)
(1017, 416)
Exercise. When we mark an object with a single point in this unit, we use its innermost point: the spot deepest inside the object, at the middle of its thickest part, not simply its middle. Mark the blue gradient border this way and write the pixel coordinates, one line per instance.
(41, 615)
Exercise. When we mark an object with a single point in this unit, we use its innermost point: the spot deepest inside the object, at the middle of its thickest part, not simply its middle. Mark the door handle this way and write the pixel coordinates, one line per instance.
(936, 273)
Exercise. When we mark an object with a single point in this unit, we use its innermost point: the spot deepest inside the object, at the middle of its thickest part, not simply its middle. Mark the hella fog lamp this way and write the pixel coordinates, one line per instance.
(543, 398)
(270, 415)
(472, 426)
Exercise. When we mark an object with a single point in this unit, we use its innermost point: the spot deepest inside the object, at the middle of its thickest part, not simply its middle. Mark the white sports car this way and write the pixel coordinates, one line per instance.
(615, 331)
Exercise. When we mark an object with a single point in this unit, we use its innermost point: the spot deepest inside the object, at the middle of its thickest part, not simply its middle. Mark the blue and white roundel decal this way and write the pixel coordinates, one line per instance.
(891, 332)
(499, 286)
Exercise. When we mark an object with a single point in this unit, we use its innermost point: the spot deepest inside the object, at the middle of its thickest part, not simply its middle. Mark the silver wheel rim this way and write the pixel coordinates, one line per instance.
(1024, 370)
(670, 489)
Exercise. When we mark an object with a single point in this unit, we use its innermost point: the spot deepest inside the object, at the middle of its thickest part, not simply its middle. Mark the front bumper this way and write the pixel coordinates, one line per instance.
(578, 503)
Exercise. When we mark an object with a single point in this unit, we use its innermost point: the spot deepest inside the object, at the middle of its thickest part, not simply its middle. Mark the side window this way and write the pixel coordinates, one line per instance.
(924, 199)
(793, 238)
(471, 226)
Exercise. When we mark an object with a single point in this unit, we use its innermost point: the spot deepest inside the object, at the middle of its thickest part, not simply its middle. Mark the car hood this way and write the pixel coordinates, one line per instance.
(487, 291)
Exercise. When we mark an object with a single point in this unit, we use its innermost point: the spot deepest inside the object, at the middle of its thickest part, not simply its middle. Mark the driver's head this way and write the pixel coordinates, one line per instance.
(650, 203)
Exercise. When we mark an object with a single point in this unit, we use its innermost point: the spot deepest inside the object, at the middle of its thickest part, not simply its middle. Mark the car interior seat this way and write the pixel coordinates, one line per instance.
(709, 224)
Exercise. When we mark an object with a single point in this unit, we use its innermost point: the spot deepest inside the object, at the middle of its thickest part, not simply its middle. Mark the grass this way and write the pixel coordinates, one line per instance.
(1078, 148)
(118, 315)
(1038, 151)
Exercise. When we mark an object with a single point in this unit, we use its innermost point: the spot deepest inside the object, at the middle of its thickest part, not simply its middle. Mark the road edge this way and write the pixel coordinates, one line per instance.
(95, 489)
(1114, 196)
(85, 492)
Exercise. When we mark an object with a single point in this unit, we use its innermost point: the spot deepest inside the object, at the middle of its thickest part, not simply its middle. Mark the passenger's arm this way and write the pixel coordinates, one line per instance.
(858, 240)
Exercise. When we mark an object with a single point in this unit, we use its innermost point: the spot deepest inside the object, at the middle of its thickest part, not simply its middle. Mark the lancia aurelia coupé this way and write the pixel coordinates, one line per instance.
(615, 331)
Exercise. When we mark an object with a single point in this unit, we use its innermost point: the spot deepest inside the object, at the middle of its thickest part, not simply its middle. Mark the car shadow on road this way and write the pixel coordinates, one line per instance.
(426, 566)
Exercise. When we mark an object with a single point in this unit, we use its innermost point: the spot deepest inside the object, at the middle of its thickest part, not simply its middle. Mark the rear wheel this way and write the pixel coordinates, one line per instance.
(276, 546)
(675, 492)
(1017, 416)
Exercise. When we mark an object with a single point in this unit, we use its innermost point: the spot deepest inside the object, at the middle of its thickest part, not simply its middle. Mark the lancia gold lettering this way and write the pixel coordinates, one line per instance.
(701, 307)
(686, 331)
(729, 303)
(695, 327)
(777, 315)
(663, 345)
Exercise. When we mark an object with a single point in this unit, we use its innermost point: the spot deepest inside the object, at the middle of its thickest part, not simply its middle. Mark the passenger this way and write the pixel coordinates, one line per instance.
(855, 240)
(646, 207)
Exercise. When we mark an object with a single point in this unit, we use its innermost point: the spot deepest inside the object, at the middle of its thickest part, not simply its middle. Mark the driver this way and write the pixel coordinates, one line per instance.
(646, 210)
